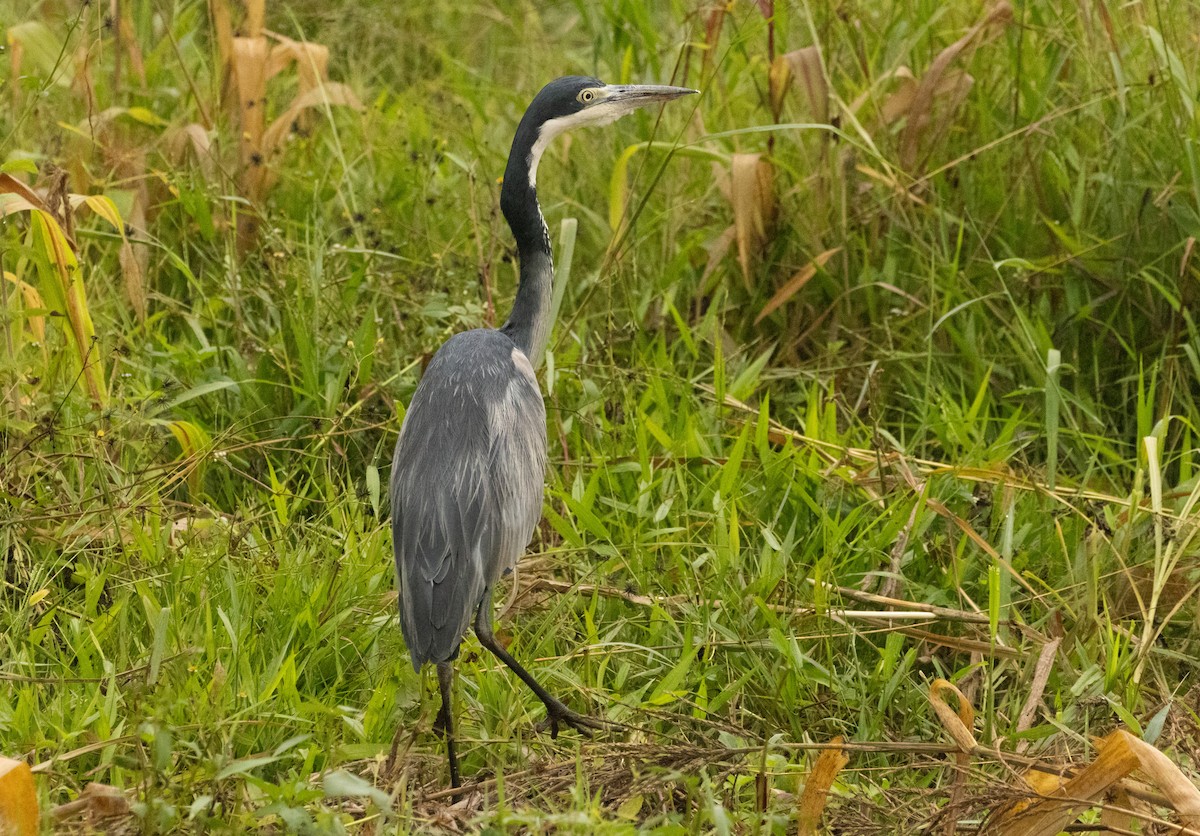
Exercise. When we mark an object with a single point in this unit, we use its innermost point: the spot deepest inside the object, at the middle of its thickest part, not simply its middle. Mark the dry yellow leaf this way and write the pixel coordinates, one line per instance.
(795, 283)
(1164, 774)
(1119, 754)
(957, 723)
(752, 193)
(18, 799)
(816, 790)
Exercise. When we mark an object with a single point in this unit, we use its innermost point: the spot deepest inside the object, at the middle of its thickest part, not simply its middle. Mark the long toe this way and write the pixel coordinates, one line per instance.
(580, 722)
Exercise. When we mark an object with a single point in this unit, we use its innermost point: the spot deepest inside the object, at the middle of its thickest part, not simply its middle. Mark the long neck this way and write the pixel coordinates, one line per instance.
(529, 323)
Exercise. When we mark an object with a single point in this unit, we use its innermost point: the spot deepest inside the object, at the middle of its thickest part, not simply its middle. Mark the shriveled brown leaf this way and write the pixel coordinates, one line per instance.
(192, 136)
(901, 99)
(311, 60)
(808, 76)
(331, 93)
(250, 59)
(752, 194)
(925, 96)
(1041, 676)
(134, 258)
(133, 276)
(1120, 753)
(816, 789)
(793, 285)
(11, 185)
(16, 58)
(129, 43)
(1164, 774)
(222, 19)
(959, 722)
(1117, 820)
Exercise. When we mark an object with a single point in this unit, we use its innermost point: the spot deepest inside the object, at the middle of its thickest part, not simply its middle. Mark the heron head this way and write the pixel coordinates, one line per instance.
(577, 101)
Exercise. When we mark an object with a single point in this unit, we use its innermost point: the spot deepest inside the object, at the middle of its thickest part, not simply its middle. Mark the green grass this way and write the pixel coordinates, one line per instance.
(196, 586)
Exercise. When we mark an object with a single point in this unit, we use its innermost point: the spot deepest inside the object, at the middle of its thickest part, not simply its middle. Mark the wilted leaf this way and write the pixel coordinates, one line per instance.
(795, 283)
(223, 25)
(33, 301)
(20, 198)
(816, 789)
(129, 40)
(926, 94)
(102, 206)
(778, 75)
(133, 277)
(133, 262)
(330, 93)
(311, 59)
(803, 68)
(752, 195)
(957, 723)
(18, 799)
(192, 136)
(1120, 753)
(61, 277)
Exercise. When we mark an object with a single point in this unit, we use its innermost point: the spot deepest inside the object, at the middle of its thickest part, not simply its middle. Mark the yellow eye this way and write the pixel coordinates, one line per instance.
(586, 96)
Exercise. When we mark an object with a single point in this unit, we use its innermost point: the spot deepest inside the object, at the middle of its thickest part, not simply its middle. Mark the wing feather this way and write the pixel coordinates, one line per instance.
(466, 486)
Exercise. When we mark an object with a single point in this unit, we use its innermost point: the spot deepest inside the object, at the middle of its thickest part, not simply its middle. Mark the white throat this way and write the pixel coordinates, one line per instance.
(598, 114)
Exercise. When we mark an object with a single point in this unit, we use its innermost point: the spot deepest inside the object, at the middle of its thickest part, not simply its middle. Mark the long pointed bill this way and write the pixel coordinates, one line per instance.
(629, 96)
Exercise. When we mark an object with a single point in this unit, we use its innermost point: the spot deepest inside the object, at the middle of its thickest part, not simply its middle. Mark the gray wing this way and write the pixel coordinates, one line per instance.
(466, 488)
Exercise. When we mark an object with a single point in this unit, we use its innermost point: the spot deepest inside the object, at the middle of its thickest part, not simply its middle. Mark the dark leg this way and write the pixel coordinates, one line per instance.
(445, 719)
(556, 712)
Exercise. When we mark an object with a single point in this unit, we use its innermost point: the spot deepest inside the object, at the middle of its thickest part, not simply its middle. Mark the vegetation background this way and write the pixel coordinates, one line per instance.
(875, 366)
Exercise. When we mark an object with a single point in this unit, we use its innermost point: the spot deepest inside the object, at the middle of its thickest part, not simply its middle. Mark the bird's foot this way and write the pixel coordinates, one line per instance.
(558, 713)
